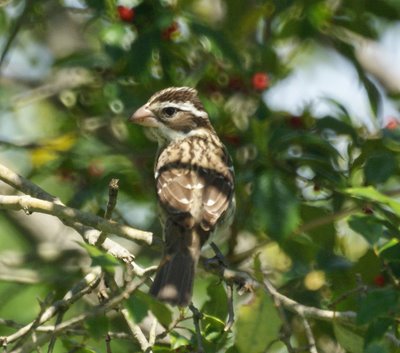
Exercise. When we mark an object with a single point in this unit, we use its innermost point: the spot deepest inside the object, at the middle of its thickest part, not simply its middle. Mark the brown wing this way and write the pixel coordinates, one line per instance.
(193, 197)
(175, 189)
(195, 181)
(217, 196)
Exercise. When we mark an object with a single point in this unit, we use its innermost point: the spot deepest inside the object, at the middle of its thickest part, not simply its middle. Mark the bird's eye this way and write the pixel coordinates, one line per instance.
(169, 111)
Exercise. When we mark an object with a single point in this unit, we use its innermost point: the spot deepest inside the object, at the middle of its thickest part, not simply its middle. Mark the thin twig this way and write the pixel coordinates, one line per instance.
(221, 262)
(13, 33)
(108, 343)
(309, 311)
(136, 331)
(231, 311)
(113, 188)
(34, 324)
(53, 339)
(95, 311)
(245, 282)
(34, 340)
(197, 316)
(360, 288)
(83, 287)
(310, 337)
(286, 332)
(63, 79)
(173, 326)
(330, 218)
(152, 332)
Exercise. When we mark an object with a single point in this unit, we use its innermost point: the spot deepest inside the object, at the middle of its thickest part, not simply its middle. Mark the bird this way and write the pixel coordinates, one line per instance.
(194, 180)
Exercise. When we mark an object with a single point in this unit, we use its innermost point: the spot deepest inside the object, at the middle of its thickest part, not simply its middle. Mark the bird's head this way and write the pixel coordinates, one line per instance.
(173, 113)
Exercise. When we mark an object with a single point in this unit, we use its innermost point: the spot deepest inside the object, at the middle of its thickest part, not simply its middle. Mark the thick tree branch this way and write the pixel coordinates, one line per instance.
(89, 234)
(30, 204)
(136, 331)
(24, 185)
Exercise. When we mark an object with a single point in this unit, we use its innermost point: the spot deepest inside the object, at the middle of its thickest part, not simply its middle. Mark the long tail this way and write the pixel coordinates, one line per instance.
(174, 279)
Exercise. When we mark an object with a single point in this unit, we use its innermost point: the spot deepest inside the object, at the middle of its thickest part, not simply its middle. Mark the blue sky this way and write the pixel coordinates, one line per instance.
(320, 73)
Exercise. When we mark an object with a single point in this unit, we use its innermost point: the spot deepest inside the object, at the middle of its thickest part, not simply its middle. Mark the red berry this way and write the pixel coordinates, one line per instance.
(392, 124)
(232, 139)
(125, 13)
(95, 170)
(236, 84)
(296, 122)
(170, 31)
(379, 280)
(260, 81)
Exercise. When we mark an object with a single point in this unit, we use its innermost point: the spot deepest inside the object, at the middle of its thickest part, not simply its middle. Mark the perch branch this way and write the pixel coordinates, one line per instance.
(136, 331)
(246, 283)
(30, 204)
(89, 234)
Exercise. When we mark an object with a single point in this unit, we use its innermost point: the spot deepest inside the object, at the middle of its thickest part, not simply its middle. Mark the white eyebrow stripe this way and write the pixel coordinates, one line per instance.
(185, 106)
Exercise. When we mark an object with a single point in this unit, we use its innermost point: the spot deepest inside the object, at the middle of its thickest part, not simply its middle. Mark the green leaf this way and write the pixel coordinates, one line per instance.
(97, 326)
(379, 167)
(137, 307)
(324, 236)
(369, 193)
(257, 324)
(258, 273)
(232, 349)
(159, 310)
(140, 53)
(275, 206)
(219, 40)
(383, 9)
(377, 347)
(388, 245)
(77, 349)
(340, 127)
(351, 341)
(217, 304)
(178, 340)
(376, 302)
(368, 227)
(99, 258)
(377, 329)
(375, 98)
(391, 253)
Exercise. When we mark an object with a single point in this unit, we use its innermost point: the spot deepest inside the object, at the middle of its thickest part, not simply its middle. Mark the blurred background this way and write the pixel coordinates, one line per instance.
(305, 95)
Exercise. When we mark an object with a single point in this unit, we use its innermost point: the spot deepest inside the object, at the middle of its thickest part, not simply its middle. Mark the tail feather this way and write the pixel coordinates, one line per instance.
(174, 279)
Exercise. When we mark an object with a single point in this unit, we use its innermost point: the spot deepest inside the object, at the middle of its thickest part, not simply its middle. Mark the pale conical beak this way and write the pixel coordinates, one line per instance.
(144, 116)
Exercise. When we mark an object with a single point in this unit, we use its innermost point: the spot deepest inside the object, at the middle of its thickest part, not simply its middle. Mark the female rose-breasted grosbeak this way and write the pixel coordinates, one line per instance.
(195, 185)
